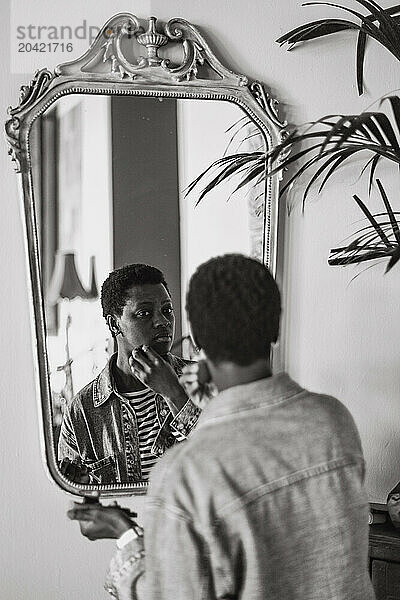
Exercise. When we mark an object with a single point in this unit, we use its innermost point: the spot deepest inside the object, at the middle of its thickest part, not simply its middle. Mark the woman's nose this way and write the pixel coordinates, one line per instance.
(161, 319)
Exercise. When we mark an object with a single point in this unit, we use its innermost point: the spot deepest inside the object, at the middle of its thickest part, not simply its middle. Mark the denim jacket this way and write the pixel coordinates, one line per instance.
(265, 500)
(99, 430)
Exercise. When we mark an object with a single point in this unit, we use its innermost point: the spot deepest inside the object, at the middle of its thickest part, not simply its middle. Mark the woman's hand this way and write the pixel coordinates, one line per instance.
(75, 470)
(197, 382)
(99, 522)
(155, 372)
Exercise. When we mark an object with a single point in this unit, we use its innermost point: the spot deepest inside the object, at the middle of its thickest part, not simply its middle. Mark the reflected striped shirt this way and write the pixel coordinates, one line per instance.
(144, 407)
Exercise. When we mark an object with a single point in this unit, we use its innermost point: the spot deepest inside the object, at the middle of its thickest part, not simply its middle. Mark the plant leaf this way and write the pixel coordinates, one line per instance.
(315, 30)
(386, 126)
(361, 40)
(355, 122)
(245, 118)
(386, 31)
(395, 225)
(344, 8)
(370, 125)
(252, 175)
(395, 105)
(374, 163)
(394, 259)
(373, 221)
(238, 159)
(348, 260)
(387, 25)
(223, 175)
(334, 167)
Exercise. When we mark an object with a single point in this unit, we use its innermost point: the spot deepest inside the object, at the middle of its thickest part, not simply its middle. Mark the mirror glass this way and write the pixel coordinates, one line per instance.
(110, 179)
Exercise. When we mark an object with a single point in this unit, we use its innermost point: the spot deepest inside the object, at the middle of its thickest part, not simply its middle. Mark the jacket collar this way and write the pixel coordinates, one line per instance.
(267, 392)
(104, 383)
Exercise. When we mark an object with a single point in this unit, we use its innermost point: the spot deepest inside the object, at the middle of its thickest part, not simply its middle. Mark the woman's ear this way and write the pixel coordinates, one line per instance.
(113, 325)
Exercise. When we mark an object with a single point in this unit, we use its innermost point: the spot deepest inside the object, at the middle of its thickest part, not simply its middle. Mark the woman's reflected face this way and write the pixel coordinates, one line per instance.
(147, 319)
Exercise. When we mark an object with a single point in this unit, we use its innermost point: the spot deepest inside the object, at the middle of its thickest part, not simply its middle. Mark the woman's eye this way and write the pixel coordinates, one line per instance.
(142, 314)
(168, 310)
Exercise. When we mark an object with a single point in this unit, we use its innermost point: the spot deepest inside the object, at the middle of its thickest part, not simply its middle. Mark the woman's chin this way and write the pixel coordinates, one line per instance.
(161, 347)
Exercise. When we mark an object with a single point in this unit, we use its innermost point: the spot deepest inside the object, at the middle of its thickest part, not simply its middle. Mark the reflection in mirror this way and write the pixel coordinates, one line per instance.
(109, 176)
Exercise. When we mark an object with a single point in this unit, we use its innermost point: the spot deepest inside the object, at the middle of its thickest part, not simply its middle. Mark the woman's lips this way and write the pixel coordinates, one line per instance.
(163, 337)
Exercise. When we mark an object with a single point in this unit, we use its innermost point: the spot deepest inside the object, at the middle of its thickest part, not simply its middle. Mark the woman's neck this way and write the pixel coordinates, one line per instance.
(125, 381)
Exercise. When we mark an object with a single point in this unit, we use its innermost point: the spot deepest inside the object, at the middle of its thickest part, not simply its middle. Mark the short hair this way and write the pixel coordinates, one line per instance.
(233, 305)
(114, 291)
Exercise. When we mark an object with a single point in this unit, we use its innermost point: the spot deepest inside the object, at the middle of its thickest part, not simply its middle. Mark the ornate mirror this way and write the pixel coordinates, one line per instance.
(144, 150)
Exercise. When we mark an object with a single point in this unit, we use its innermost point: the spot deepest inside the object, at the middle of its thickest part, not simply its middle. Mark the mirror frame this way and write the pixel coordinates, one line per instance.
(104, 69)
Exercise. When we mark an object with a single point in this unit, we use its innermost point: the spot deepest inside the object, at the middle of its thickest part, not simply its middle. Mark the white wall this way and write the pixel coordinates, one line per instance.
(340, 338)
(214, 226)
(88, 334)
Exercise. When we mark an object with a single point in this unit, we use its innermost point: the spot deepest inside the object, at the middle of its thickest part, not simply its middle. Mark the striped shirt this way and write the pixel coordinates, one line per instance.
(144, 407)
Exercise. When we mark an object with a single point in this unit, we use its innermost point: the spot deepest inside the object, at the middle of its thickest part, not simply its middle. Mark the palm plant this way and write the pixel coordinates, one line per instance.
(334, 140)
(331, 141)
(317, 150)
(340, 138)
(381, 24)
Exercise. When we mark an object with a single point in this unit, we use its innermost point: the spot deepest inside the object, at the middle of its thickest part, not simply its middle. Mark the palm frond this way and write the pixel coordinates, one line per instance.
(237, 128)
(381, 24)
(379, 239)
(333, 140)
(389, 210)
(393, 259)
(247, 166)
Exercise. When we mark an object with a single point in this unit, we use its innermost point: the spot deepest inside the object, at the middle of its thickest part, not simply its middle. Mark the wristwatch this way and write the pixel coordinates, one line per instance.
(130, 534)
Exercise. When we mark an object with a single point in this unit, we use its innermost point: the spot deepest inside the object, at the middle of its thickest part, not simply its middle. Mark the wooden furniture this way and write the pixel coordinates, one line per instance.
(384, 554)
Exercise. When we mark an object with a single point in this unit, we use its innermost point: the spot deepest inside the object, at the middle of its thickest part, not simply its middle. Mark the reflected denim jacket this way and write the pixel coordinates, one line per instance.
(264, 501)
(98, 430)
